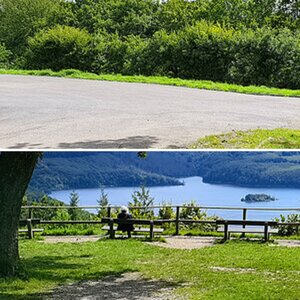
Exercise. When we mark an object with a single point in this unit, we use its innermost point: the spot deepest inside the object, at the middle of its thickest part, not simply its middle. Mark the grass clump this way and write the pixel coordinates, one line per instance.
(199, 84)
(252, 139)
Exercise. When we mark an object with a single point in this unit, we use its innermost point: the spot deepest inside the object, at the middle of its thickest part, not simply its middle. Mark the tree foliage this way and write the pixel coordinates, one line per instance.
(251, 42)
(141, 203)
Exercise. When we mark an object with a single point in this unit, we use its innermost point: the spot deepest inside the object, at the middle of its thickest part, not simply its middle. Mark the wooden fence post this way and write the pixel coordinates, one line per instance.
(177, 220)
(108, 211)
(266, 232)
(151, 230)
(225, 231)
(111, 229)
(244, 219)
(29, 228)
(30, 213)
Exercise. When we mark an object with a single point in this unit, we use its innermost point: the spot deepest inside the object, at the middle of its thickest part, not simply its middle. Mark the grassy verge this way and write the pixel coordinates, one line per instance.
(199, 84)
(252, 139)
(195, 272)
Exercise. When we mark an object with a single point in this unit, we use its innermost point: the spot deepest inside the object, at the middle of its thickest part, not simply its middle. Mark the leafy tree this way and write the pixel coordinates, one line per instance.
(141, 199)
(103, 201)
(74, 201)
(124, 17)
(16, 169)
(20, 19)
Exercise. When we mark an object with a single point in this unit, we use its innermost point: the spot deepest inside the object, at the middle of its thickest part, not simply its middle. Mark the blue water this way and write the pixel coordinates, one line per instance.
(203, 193)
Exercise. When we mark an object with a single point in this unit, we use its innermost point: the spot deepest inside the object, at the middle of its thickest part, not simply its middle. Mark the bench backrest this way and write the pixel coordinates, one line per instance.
(131, 221)
(24, 222)
(247, 222)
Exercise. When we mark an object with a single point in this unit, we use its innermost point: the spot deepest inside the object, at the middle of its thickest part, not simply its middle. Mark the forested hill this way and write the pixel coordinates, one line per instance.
(63, 170)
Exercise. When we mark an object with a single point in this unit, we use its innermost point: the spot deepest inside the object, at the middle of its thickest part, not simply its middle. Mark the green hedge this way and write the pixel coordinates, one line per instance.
(203, 51)
(62, 47)
(208, 52)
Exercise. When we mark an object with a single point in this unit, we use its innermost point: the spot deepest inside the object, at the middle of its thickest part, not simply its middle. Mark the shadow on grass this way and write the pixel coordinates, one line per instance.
(112, 285)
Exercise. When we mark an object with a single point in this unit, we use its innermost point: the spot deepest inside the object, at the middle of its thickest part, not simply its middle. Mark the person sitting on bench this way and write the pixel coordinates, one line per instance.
(124, 214)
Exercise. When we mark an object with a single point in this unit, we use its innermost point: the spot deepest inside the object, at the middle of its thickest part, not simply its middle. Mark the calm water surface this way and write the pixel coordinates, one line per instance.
(203, 193)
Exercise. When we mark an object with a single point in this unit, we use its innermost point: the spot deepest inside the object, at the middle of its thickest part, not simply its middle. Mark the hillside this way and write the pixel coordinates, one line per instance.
(61, 170)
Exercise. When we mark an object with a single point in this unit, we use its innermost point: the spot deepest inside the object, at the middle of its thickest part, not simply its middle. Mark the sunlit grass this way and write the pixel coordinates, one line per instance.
(208, 273)
(252, 139)
(199, 84)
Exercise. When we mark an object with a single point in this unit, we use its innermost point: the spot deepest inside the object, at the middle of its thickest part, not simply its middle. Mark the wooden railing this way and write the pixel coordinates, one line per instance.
(176, 221)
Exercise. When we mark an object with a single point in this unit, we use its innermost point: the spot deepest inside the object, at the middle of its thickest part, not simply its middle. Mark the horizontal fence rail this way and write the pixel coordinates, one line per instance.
(166, 206)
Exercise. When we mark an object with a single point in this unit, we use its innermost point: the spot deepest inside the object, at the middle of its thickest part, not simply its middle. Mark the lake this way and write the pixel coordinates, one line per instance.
(203, 193)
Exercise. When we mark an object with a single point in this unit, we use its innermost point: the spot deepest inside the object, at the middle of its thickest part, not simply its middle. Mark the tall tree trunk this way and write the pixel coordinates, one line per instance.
(16, 169)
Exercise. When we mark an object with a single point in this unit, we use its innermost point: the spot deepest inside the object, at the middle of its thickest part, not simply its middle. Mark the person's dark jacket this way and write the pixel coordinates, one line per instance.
(125, 227)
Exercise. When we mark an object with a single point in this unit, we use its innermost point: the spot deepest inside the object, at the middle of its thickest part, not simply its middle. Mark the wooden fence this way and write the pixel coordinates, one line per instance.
(31, 221)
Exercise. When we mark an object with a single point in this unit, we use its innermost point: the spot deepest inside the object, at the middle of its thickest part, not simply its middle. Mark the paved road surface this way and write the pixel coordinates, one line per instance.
(48, 112)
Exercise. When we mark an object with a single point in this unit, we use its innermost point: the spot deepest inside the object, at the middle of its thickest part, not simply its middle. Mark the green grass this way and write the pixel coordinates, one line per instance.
(199, 84)
(275, 273)
(252, 139)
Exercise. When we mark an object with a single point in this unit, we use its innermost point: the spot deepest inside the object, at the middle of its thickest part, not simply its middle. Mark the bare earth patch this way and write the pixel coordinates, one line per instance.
(70, 239)
(288, 243)
(128, 286)
(186, 242)
(235, 270)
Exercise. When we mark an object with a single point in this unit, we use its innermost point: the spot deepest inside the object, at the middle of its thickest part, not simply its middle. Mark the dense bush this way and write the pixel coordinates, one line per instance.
(4, 56)
(287, 230)
(266, 57)
(61, 47)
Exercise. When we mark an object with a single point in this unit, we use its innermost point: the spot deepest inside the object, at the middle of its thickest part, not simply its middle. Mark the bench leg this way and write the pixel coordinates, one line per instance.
(225, 231)
(266, 235)
(151, 230)
(111, 229)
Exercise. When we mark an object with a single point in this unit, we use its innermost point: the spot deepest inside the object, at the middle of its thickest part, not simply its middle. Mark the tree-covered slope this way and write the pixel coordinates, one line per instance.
(62, 170)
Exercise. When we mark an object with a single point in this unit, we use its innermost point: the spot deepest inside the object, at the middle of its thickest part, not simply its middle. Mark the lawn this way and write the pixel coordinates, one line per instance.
(252, 139)
(199, 84)
(257, 271)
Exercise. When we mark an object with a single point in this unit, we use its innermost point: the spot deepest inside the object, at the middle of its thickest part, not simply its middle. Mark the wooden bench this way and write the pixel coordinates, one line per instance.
(32, 230)
(151, 230)
(266, 230)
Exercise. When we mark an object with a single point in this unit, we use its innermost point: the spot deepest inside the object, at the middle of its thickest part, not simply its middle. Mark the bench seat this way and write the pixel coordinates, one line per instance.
(248, 230)
(33, 230)
(136, 229)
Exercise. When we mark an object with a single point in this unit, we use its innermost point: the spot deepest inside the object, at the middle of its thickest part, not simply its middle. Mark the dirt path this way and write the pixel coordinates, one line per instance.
(176, 242)
(186, 242)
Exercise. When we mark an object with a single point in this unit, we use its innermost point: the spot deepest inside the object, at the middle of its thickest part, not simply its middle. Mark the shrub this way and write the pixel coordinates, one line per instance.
(286, 230)
(108, 54)
(166, 212)
(261, 56)
(192, 212)
(61, 47)
(4, 56)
